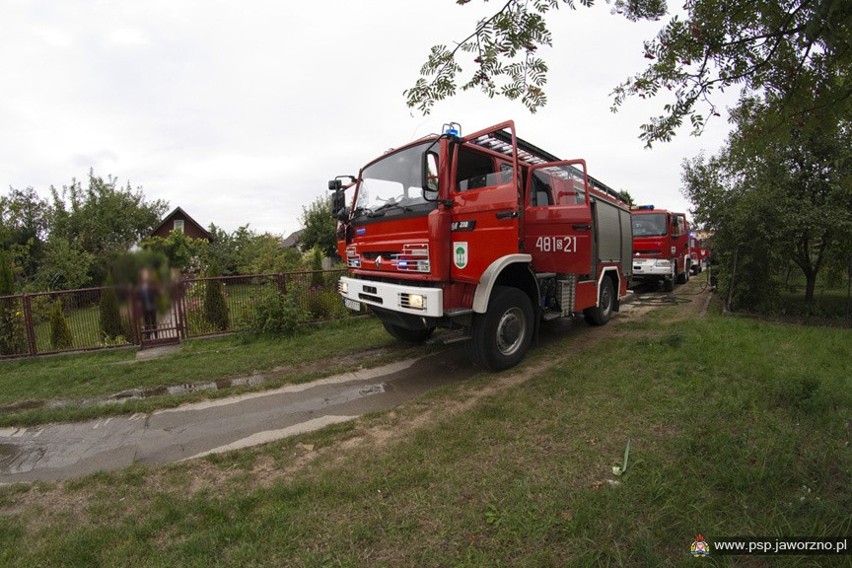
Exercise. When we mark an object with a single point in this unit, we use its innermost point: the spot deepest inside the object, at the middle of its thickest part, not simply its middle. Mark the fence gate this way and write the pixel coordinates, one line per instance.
(155, 327)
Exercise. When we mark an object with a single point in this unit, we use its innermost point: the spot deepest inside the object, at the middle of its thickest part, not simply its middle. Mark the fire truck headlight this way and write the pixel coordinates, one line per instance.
(416, 301)
(343, 287)
(663, 263)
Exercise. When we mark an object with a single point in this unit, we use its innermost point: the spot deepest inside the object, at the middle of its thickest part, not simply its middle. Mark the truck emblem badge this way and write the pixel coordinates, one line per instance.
(378, 262)
(460, 254)
(463, 226)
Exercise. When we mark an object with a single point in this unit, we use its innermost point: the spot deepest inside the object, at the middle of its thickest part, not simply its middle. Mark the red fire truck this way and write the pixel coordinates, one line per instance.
(485, 233)
(698, 253)
(660, 246)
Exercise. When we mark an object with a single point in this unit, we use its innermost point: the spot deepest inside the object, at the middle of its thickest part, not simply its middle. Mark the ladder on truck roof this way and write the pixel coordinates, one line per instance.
(500, 141)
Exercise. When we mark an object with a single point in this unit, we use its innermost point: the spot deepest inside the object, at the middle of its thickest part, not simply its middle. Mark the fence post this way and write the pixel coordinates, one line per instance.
(28, 323)
(281, 282)
(180, 299)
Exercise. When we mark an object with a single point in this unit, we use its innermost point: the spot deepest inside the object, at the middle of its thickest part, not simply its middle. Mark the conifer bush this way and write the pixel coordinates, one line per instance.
(215, 304)
(60, 333)
(110, 316)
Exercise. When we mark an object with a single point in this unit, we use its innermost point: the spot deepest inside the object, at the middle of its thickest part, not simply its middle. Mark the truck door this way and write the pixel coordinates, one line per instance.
(680, 240)
(484, 222)
(557, 218)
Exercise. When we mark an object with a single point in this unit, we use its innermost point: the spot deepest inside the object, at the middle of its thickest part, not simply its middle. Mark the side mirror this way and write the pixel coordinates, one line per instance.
(338, 201)
(338, 204)
(429, 176)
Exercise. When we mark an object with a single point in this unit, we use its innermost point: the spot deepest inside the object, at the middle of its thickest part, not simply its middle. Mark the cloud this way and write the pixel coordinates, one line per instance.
(240, 112)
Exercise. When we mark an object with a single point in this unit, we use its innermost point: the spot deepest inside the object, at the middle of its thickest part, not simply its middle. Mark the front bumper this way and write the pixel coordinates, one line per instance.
(413, 300)
(651, 269)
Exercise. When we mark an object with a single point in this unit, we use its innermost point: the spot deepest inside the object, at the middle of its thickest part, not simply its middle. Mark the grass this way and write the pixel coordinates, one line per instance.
(320, 351)
(737, 428)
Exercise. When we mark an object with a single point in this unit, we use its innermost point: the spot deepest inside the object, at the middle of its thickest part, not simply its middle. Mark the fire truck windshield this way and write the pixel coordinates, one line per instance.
(649, 225)
(392, 186)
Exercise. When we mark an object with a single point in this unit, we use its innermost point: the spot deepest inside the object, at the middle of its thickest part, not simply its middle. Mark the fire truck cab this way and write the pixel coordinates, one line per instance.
(485, 233)
(660, 246)
(698, 253)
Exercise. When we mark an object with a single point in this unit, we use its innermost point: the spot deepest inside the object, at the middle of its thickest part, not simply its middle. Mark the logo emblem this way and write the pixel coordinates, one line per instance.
(378, 262)
(699, 547)
(460, 254)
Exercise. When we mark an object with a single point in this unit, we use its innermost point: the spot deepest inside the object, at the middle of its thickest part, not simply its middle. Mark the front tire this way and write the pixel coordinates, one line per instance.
(601, 313)
(408, 335)
(683, 277)
(502, 335)
(668, 283)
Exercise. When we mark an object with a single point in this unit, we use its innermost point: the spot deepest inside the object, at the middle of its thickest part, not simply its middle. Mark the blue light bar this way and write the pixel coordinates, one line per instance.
(452, 129)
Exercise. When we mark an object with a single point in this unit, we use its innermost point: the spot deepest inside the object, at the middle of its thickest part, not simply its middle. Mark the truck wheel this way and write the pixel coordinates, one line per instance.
(408, 335)
(501, 336)
(602, 313)
(668, 283)
(683, 277)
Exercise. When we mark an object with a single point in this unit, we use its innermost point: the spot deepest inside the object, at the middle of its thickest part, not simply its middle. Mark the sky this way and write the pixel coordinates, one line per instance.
(240, 111)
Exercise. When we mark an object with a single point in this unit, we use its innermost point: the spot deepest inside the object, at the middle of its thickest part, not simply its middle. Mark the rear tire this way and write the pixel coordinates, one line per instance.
(501, 336)
(601, 313)
(408, 335)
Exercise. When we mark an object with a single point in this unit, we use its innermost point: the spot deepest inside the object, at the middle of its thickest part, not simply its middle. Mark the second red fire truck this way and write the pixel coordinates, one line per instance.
(699, 254)
(660, 246)
(485, 233)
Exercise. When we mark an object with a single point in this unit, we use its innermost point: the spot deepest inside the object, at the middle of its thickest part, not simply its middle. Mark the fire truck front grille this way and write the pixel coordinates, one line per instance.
(567, 293)
(369, 298)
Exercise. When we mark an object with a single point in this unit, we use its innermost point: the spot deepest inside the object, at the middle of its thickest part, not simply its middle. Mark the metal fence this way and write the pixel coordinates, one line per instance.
(30, 324)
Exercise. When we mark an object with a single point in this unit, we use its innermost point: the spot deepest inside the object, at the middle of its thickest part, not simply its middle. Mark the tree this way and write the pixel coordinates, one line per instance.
(795, 49)
(103, 220)
(246, 252)
(223, 251)
(182, 252)
(64, 265)
(320, 227)
(23, 228)
(626, 197)
(775, 196)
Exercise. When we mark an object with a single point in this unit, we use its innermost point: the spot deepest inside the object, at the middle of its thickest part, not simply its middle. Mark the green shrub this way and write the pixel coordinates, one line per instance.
(215, 305)
(60, 333)
(277, 314)
(12, 334)
(325, 304)
(110, 316)
(196, 323)
(13, 340)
